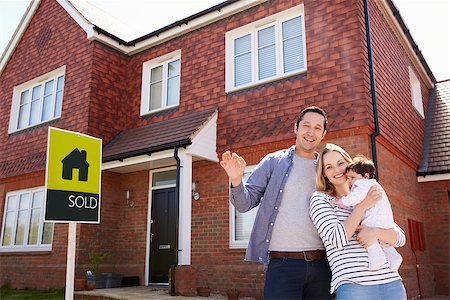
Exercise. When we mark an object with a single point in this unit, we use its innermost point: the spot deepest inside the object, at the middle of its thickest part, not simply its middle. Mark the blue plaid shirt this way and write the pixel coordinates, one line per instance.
(264, 186)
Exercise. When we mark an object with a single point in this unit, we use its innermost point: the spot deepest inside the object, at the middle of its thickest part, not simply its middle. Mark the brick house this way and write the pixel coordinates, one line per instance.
(167, 104)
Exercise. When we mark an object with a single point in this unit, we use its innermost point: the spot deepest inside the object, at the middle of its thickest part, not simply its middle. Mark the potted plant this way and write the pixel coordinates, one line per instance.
(233, 294)
(92, 277)
(203, 289)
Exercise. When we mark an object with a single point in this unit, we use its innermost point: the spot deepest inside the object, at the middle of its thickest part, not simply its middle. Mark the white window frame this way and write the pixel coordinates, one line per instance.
(242, 244)
(26, 248)
(253, 28)
(416, 92)
(146, 76)
(29, 85)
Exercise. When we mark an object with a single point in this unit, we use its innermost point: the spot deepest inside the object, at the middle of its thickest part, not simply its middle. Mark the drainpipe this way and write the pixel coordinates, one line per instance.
(177, 198)
(376, 131)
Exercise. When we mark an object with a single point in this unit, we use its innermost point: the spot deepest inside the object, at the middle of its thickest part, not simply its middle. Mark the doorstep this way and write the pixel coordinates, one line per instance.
(126, 293)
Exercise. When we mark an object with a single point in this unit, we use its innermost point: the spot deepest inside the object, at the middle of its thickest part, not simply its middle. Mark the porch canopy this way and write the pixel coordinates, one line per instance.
(142, 147)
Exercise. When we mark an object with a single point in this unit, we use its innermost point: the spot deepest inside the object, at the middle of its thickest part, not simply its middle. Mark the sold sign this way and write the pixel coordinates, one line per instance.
(73, 177)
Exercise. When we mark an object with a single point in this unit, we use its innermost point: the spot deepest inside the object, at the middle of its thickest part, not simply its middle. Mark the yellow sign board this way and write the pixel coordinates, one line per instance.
(73, 177)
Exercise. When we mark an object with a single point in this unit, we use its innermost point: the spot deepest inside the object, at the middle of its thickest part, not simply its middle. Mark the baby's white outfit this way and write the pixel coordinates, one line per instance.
(380, 215)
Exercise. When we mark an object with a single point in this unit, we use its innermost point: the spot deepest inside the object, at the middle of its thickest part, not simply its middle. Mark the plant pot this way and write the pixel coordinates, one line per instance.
(203, 291)
(90, 286)
(79, 284)
(233, 294)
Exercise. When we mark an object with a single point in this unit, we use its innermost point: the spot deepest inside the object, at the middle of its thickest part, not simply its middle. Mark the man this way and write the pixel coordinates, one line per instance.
(283, 236)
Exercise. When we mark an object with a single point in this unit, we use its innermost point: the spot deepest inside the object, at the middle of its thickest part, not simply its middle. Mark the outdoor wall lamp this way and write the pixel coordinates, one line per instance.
(195, 194)
(127, 197)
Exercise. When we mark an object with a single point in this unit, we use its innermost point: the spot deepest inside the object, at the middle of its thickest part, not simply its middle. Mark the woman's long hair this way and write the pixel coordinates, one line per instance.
(322, 183)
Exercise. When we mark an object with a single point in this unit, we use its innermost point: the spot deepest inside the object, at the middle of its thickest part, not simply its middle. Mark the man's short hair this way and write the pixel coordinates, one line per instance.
(314, 109)
(362, 165)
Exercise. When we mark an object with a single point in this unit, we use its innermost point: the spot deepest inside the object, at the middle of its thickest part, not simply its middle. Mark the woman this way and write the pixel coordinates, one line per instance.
(348, 259)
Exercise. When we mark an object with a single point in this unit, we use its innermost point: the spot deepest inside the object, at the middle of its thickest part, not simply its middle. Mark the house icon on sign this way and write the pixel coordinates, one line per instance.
(75, 160)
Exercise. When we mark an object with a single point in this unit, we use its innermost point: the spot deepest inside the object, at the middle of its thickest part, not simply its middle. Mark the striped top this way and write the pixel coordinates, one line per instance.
(347, 258)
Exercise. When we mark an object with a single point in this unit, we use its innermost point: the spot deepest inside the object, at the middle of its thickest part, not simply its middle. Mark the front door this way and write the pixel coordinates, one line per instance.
(163, 234)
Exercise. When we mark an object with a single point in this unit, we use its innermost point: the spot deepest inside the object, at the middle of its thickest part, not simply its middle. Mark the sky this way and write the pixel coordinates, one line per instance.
(427, 20)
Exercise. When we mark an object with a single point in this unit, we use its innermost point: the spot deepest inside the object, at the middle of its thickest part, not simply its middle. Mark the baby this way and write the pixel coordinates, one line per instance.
(360, 174)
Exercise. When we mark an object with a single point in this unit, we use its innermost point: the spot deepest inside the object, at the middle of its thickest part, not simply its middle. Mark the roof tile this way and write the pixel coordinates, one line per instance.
(436, 148)
(157, 136)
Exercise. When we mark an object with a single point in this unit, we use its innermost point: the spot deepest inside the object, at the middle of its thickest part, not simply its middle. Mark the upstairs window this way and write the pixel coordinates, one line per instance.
(241, 224)
(24, 228)
(161, 83)
(416, 92)
(37, 101)
(266, 50)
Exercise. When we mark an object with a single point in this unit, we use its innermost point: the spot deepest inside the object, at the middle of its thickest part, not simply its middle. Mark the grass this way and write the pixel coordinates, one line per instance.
(7, 293)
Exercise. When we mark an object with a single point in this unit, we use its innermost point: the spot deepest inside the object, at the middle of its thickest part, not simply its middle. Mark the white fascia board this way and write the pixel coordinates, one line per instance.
(81, 21)
(437, 177)
(137, 160)
(194, 24)
(20, 30)
(88, 27)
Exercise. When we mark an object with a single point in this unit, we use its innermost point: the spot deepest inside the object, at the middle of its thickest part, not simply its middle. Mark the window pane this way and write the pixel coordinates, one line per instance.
(173, 91)
(242, 45)
(156, 74)
(267, 62)
(60, 83)
(293, 54)
(21, 227)
(24, 97)
(242, 60)
(34, 227)
(292, 45)
(47, 233)
(12, 203)
(58, 104)
(23, 113)
(24, 201)
(46, 106)
(174, 68)
(243, 69)
(266, 37)
(244, 221)
(48, 89)
(292, 28)
(35, 105)
(164, 178)
(155, 95)
(8, 229)
(37, 199)
(266, 53)
(244, 224)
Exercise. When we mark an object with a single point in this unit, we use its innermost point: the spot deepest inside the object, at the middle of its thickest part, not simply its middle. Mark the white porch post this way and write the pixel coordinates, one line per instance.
(185, 208)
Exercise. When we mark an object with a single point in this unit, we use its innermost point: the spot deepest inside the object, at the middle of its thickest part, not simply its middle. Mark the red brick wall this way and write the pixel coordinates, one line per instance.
(25, 151)
(334, 79)
(399, 122)
(110, 106)
(122, 232)
(435, 197)
(404, 192)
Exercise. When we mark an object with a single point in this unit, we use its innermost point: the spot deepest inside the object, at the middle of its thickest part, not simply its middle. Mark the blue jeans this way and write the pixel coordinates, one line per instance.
(297, 279)
(387, 291)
